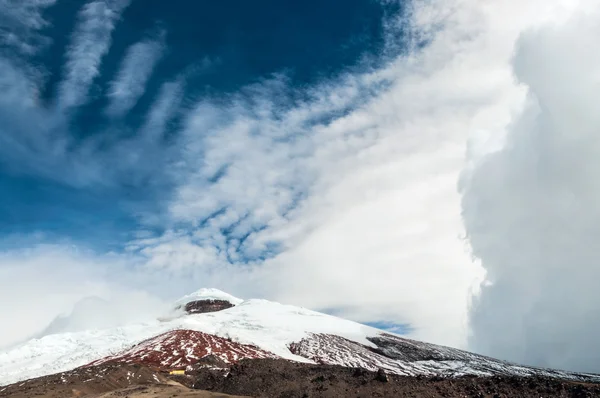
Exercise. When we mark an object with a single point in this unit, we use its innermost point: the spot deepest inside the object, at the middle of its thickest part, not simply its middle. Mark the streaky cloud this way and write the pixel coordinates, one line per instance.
(20, 23)
(89, 43)
(162, 110)
(136, 69)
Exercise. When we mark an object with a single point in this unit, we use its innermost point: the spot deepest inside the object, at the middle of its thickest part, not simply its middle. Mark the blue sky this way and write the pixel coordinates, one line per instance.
(212, 50)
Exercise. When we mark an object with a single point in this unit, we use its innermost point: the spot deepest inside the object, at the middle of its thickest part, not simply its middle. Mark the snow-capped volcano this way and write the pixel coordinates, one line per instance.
(250, 329)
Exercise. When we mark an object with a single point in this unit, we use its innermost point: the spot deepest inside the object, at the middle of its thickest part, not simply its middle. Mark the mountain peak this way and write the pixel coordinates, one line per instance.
(253, 329)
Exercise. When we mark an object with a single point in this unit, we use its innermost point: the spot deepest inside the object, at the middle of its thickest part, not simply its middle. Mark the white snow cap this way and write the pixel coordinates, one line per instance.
(208, 294)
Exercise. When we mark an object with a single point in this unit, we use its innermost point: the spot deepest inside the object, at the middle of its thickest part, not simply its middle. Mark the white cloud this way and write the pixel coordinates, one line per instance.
(42, 285)
(531, 209)
(135, 71)
(162, 110)
(90, 42)
(120, 308)
(24, 124)
(37, 139)
(20, 22)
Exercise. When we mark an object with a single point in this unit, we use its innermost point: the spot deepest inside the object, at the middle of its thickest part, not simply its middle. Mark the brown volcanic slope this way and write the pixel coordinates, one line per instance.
(179, 349)
(167, 391)
(108, 380)
(281, 378)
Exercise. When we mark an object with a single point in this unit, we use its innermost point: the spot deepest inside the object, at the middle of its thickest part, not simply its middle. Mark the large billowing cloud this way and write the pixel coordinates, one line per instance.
(532, 209)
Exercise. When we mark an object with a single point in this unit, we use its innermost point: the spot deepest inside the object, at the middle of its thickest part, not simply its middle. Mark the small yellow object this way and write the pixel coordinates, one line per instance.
(177, 372)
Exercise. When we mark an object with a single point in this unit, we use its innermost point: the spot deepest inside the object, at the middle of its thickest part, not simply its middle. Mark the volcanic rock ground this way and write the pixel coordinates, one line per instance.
(107, 380)
(283, 378)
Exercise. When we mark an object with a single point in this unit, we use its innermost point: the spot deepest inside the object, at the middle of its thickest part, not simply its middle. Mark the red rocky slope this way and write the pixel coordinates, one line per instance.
(182, 348)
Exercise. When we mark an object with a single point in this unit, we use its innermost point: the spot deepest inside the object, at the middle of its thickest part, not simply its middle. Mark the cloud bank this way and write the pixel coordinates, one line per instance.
(531, 209)
(59, 288)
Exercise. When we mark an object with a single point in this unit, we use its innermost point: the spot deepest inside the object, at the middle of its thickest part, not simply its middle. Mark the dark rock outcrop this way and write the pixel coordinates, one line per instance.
(382, 376)
(204, 306)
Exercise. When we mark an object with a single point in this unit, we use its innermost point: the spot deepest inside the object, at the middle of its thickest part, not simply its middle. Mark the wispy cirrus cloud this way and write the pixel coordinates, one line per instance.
(166, 105)
(21, 22)
(38, 137)
(136, 68)
(90, 42)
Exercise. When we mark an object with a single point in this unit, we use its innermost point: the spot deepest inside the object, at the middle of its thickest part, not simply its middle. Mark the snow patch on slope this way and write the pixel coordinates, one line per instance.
(407, 357)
